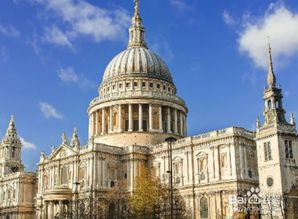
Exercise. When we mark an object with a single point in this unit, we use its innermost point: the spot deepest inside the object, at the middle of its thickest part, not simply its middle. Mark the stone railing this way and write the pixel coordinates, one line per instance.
(136, 148)
(204, 137)
(133, 94)
(108, 149)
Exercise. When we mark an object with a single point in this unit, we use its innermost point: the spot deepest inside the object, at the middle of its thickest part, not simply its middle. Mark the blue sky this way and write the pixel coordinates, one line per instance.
(53, 54)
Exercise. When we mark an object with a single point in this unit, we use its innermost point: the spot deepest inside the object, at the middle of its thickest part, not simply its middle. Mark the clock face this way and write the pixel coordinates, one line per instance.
(269, 181)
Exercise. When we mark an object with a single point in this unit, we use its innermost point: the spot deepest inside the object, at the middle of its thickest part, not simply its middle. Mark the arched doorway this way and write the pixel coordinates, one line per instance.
(204, 211)
(112, 208)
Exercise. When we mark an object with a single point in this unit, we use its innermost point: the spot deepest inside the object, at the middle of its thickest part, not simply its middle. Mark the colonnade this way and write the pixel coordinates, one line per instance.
(137, 118)
(57, 208)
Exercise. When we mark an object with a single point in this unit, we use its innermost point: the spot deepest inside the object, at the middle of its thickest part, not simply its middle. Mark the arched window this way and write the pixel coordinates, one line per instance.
(46, 180)
(276, 104)
(204, 208)
(177, 169)
(202, 167)
(82, 174)
(13, 151)
(112, 208)
(64, 175)
(269, 104)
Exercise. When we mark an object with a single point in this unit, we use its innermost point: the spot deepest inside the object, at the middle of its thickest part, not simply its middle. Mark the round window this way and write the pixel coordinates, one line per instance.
(269, 181)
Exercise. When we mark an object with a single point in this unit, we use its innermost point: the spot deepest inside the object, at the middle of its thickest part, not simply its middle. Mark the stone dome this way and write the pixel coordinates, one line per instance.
(137, 61)
(137, 102)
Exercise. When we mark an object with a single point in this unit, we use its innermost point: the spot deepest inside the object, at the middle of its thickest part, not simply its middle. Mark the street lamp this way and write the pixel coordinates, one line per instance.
(76, 199)
(170, 141)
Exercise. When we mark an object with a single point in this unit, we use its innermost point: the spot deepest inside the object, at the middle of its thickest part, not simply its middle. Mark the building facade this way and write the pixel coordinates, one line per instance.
(219, 173)
(17, 187)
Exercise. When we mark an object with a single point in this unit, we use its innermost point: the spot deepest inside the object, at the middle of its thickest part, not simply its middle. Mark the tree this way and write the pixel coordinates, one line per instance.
(118, 197)
(146, 195)
(151, 198)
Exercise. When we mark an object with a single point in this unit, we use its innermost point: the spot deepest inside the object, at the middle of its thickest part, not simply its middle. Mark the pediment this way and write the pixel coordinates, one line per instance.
(63, 151)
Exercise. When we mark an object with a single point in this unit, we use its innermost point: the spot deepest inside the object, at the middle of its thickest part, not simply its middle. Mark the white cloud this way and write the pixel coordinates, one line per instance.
(161, 46)
(9, 31)
(281, 25)
(68, 75)
(250, 77)
(56, 36)
(34, 43)
(49, 111)
(3, 54)
(81, 18)
(228, 19)
(27, 145)
(180, 5)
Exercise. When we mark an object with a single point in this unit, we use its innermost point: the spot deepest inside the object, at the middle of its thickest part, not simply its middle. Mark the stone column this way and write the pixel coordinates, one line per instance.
(160, 119)
(119, 118)
(60, 207)
(181, 123)
(169, 120)
(96, 123)
(150, 117)
(140, 118)
(90, 126)
(51, 214)
(175, 122)
(103, 122)
(45, 214)
(130, 122)
(245, 162)
(184, 124)
(93, 124)
(111, 120)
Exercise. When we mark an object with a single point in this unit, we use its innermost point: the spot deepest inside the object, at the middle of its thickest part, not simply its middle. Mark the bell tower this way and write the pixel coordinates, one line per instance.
(10, 151)
(276, 147)
(274, 112)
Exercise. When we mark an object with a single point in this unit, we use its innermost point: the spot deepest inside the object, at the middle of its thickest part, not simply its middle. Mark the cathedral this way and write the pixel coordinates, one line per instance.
(135, 120)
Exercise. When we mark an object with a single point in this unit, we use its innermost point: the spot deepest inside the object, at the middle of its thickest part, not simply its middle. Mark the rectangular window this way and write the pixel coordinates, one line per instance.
(143, 84)
(127, 85)
(126, 125)
(290, 150)
(151, 85)
(135, 84)
(267, 151)
(120, 85)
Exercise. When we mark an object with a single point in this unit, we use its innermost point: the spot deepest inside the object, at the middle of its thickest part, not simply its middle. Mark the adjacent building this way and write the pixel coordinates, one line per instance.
(17, 187)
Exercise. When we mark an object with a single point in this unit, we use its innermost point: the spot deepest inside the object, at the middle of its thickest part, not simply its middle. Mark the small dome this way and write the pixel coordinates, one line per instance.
(137, 61)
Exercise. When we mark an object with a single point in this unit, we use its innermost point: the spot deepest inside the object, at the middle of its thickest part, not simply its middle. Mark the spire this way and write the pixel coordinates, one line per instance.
(136, 30)
(75, 141)
(271, 80)
(292, 121)
(64, 139)
(258, 124)
(11, 130)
